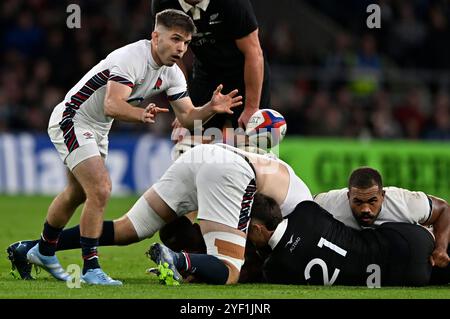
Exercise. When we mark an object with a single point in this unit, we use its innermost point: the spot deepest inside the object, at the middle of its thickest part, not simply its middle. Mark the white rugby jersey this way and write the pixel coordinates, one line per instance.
(132, 65)
(298, 191)
(399, 205)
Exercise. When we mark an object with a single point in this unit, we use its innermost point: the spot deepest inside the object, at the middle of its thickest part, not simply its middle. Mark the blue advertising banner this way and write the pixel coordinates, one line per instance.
(29, 164)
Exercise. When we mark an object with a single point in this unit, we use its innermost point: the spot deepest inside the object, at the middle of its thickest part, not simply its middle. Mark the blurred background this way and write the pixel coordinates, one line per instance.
(351, 95)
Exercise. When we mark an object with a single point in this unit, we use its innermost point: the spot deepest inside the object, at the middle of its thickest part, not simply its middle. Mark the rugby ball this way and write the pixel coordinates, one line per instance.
(266, 128)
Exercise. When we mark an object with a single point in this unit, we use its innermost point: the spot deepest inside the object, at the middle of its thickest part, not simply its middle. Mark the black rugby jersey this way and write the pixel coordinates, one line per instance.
(317, 249)
(223, 22)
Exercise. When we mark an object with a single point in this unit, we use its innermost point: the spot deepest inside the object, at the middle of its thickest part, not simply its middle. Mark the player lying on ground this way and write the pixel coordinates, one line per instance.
(366, 203)
(395, 247)
(218, 181)
(311, 247)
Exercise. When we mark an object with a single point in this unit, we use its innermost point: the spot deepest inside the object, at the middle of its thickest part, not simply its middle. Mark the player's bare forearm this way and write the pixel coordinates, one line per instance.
(123, 111)
(253, 74)
(203, 113)
(253, 77)
(115, 104)
(441, 229)
(219, 103)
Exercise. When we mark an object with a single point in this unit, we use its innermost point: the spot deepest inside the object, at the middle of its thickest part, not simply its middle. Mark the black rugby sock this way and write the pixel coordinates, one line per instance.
(207, 268)
(89, 251)
(49, 239)
(70, 238)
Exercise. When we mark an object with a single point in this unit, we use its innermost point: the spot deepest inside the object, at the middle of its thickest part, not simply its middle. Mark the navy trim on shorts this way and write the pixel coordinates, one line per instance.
(246, 206)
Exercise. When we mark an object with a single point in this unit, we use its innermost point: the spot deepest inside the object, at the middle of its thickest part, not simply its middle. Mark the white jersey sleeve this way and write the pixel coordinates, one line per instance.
(177, 84)
(298, 192)
(402, 205)
(126, 65)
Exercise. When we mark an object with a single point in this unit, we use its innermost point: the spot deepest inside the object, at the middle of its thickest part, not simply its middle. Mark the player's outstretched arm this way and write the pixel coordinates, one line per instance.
(440, 219)
(187, 113)
(116, 106)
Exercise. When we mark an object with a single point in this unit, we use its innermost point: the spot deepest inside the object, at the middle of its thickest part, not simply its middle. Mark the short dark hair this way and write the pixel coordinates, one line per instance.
(266, 210)
(171, 18)
(365, 177)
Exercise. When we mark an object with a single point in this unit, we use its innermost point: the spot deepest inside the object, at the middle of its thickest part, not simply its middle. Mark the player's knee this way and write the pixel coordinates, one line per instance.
(124, 232)
(233, 273)
(100, 194)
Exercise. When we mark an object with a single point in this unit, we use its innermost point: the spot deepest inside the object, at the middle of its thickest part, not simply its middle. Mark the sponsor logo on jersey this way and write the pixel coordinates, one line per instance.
(88, 135)
(290, 241)
(213, 17)
(293, 242)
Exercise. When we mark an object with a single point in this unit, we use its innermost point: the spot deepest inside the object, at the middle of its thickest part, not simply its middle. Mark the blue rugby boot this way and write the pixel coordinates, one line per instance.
(165, 260)
(17, 254)
(98, 277)
(48, 263)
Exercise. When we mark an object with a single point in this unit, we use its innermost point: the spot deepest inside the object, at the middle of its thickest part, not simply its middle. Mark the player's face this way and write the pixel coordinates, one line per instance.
(365, 204)
(170, 45)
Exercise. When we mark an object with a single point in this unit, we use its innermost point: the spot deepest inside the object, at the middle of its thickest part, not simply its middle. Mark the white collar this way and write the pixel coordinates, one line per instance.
(196, 14)
(278, 233)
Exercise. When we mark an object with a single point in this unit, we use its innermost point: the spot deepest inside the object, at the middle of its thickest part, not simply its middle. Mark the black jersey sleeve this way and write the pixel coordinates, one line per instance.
(241, 18)
(160, 5)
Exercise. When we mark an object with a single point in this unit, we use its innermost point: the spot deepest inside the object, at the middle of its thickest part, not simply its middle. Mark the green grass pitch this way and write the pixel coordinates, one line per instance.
(22, 218)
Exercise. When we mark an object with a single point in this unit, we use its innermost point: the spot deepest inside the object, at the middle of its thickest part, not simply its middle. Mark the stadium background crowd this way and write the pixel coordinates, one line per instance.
(331, 75)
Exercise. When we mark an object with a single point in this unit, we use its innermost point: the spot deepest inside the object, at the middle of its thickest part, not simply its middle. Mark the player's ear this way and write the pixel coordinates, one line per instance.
(255, 228)
(261, 229)
(155, 37)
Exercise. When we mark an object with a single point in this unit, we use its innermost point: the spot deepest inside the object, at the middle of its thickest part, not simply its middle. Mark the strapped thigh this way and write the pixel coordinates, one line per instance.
(226, 246)
(145, 220)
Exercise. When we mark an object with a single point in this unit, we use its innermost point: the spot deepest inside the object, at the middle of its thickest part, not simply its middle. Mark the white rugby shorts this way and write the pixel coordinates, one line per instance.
(218, 183)
(77, 142)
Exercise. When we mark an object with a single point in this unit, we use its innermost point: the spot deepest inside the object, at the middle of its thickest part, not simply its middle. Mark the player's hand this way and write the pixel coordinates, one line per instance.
(245, 116)
(150, 112)
(439, 258)
(224, 103)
